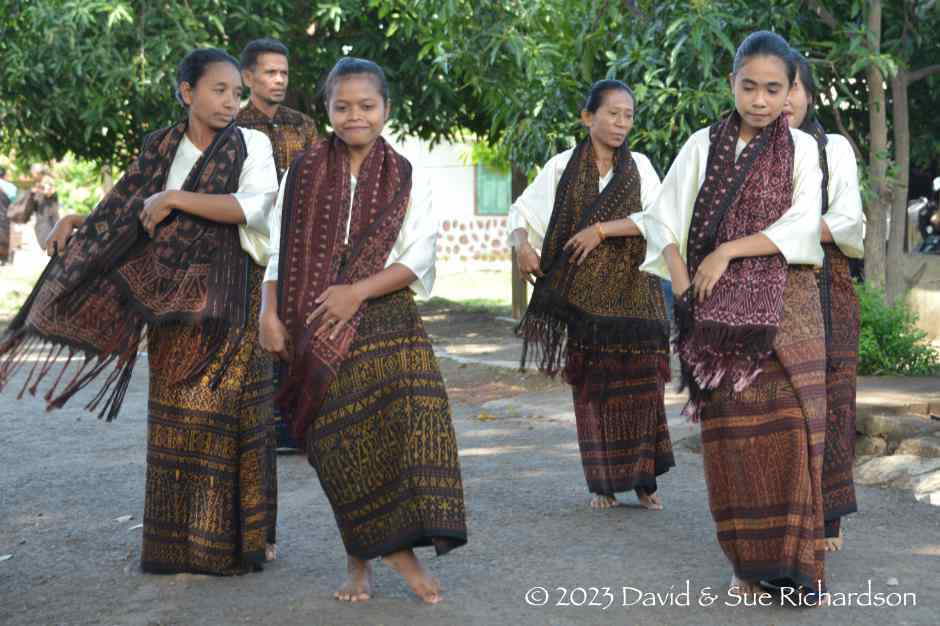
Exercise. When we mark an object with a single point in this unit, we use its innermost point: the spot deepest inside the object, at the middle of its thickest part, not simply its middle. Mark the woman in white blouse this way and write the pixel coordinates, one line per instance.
(737, 228)
(842, 234)
(353, 241)
(593, 315)
(210, 481)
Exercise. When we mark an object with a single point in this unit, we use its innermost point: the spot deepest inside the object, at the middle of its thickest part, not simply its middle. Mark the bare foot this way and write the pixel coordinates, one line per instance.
(834, 544)
(650, 501)
(409, 567)
(358, 585)
(605, 502)
(270, 552)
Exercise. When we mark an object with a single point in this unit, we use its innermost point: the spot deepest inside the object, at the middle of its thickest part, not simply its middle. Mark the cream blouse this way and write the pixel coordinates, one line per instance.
(415, 248)
(845, 218)
(257, 188)
(796, 234)
(533, 209)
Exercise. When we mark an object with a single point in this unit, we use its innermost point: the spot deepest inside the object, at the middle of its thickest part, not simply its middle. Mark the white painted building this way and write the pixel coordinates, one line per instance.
(470, 201)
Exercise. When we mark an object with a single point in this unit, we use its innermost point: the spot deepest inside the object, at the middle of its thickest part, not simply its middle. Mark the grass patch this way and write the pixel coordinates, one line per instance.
(486, 306)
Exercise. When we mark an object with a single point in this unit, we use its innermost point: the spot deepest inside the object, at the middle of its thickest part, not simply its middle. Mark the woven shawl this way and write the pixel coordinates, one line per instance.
(733, 330)
(314, 256)
(580, 316)
(96, 297)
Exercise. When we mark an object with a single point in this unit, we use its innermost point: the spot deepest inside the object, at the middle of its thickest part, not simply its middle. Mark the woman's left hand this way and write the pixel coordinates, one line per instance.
(583, 243)
(337, 306)
(711, 269)
(156, 209)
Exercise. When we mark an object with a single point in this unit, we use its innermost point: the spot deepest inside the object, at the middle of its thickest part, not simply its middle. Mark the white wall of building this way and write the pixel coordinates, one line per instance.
(467, 241)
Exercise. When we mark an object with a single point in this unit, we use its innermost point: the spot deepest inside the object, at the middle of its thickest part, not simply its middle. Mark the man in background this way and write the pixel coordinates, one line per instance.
(40, 202)
(265, 73)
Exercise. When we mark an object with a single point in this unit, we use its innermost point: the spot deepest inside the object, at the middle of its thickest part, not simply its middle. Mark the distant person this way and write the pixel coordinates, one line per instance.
(6, 187)
(41, 202)
(7, 194)
(265, 72)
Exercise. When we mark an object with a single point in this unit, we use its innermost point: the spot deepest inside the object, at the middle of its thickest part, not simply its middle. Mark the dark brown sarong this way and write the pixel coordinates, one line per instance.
(603, 325)
(383, 443)
(208, 503)
(763, 451)
(619, 388)
(838, 483)
(624, 438)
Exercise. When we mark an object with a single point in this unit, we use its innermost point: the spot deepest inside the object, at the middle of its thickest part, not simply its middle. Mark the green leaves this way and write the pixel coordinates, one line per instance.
(513, 72)
(889, 340)
(93, 77)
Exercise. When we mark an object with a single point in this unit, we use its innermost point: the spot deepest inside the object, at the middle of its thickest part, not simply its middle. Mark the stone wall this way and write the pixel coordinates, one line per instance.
(472, 240)
(925, 297)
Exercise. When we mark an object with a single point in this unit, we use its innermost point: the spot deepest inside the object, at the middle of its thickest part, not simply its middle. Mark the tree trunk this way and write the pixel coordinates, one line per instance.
(877, 158)
(519, 286)
(895, 280)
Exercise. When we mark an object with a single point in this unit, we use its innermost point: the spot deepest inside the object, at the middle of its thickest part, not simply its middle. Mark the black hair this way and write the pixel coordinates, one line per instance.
(3, 171)
(766, 43)
(809, 83)
(256, 48)
(194, 65)
(348, 66)
(595, 96)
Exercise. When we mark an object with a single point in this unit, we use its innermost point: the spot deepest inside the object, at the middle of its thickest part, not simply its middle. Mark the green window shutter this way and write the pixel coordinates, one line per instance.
(494, 191)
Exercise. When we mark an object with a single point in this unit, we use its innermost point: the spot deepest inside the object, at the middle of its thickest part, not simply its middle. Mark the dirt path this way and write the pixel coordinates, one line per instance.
(67, 478)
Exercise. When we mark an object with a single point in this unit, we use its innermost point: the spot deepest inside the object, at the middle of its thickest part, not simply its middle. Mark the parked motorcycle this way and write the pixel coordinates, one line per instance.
(927, 213)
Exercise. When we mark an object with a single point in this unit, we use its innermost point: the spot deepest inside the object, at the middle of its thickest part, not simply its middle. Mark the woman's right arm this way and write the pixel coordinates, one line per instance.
(529, 216)
(678, 271)
(272, 333)
(666, 221)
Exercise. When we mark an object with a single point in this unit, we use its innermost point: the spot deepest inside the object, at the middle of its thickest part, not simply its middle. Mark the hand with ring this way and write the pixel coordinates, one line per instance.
(337, 305)
(583, 243)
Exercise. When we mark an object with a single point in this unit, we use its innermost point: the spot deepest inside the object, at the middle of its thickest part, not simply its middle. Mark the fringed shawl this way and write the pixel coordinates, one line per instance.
(315, 255)
(732, 331)
(95, 298)
(581, 315)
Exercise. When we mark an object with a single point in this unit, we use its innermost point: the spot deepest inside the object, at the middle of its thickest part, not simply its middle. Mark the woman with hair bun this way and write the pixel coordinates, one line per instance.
(843, 233)
(353, 238)
(736, 228)
(594, 316)
(177, 248)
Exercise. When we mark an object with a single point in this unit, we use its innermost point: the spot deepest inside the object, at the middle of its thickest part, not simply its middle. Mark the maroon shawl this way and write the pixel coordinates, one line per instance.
(315, 256)
(112, 280)
(733, 330)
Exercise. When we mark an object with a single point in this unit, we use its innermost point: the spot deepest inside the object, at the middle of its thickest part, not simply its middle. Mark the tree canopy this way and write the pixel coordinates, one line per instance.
(91, 77)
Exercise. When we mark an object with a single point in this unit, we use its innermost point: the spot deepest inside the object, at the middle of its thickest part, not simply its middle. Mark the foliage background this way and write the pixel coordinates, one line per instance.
(85, 80)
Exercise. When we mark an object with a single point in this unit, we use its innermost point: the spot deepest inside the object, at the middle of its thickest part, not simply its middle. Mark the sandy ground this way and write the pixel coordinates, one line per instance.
(67, 479)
